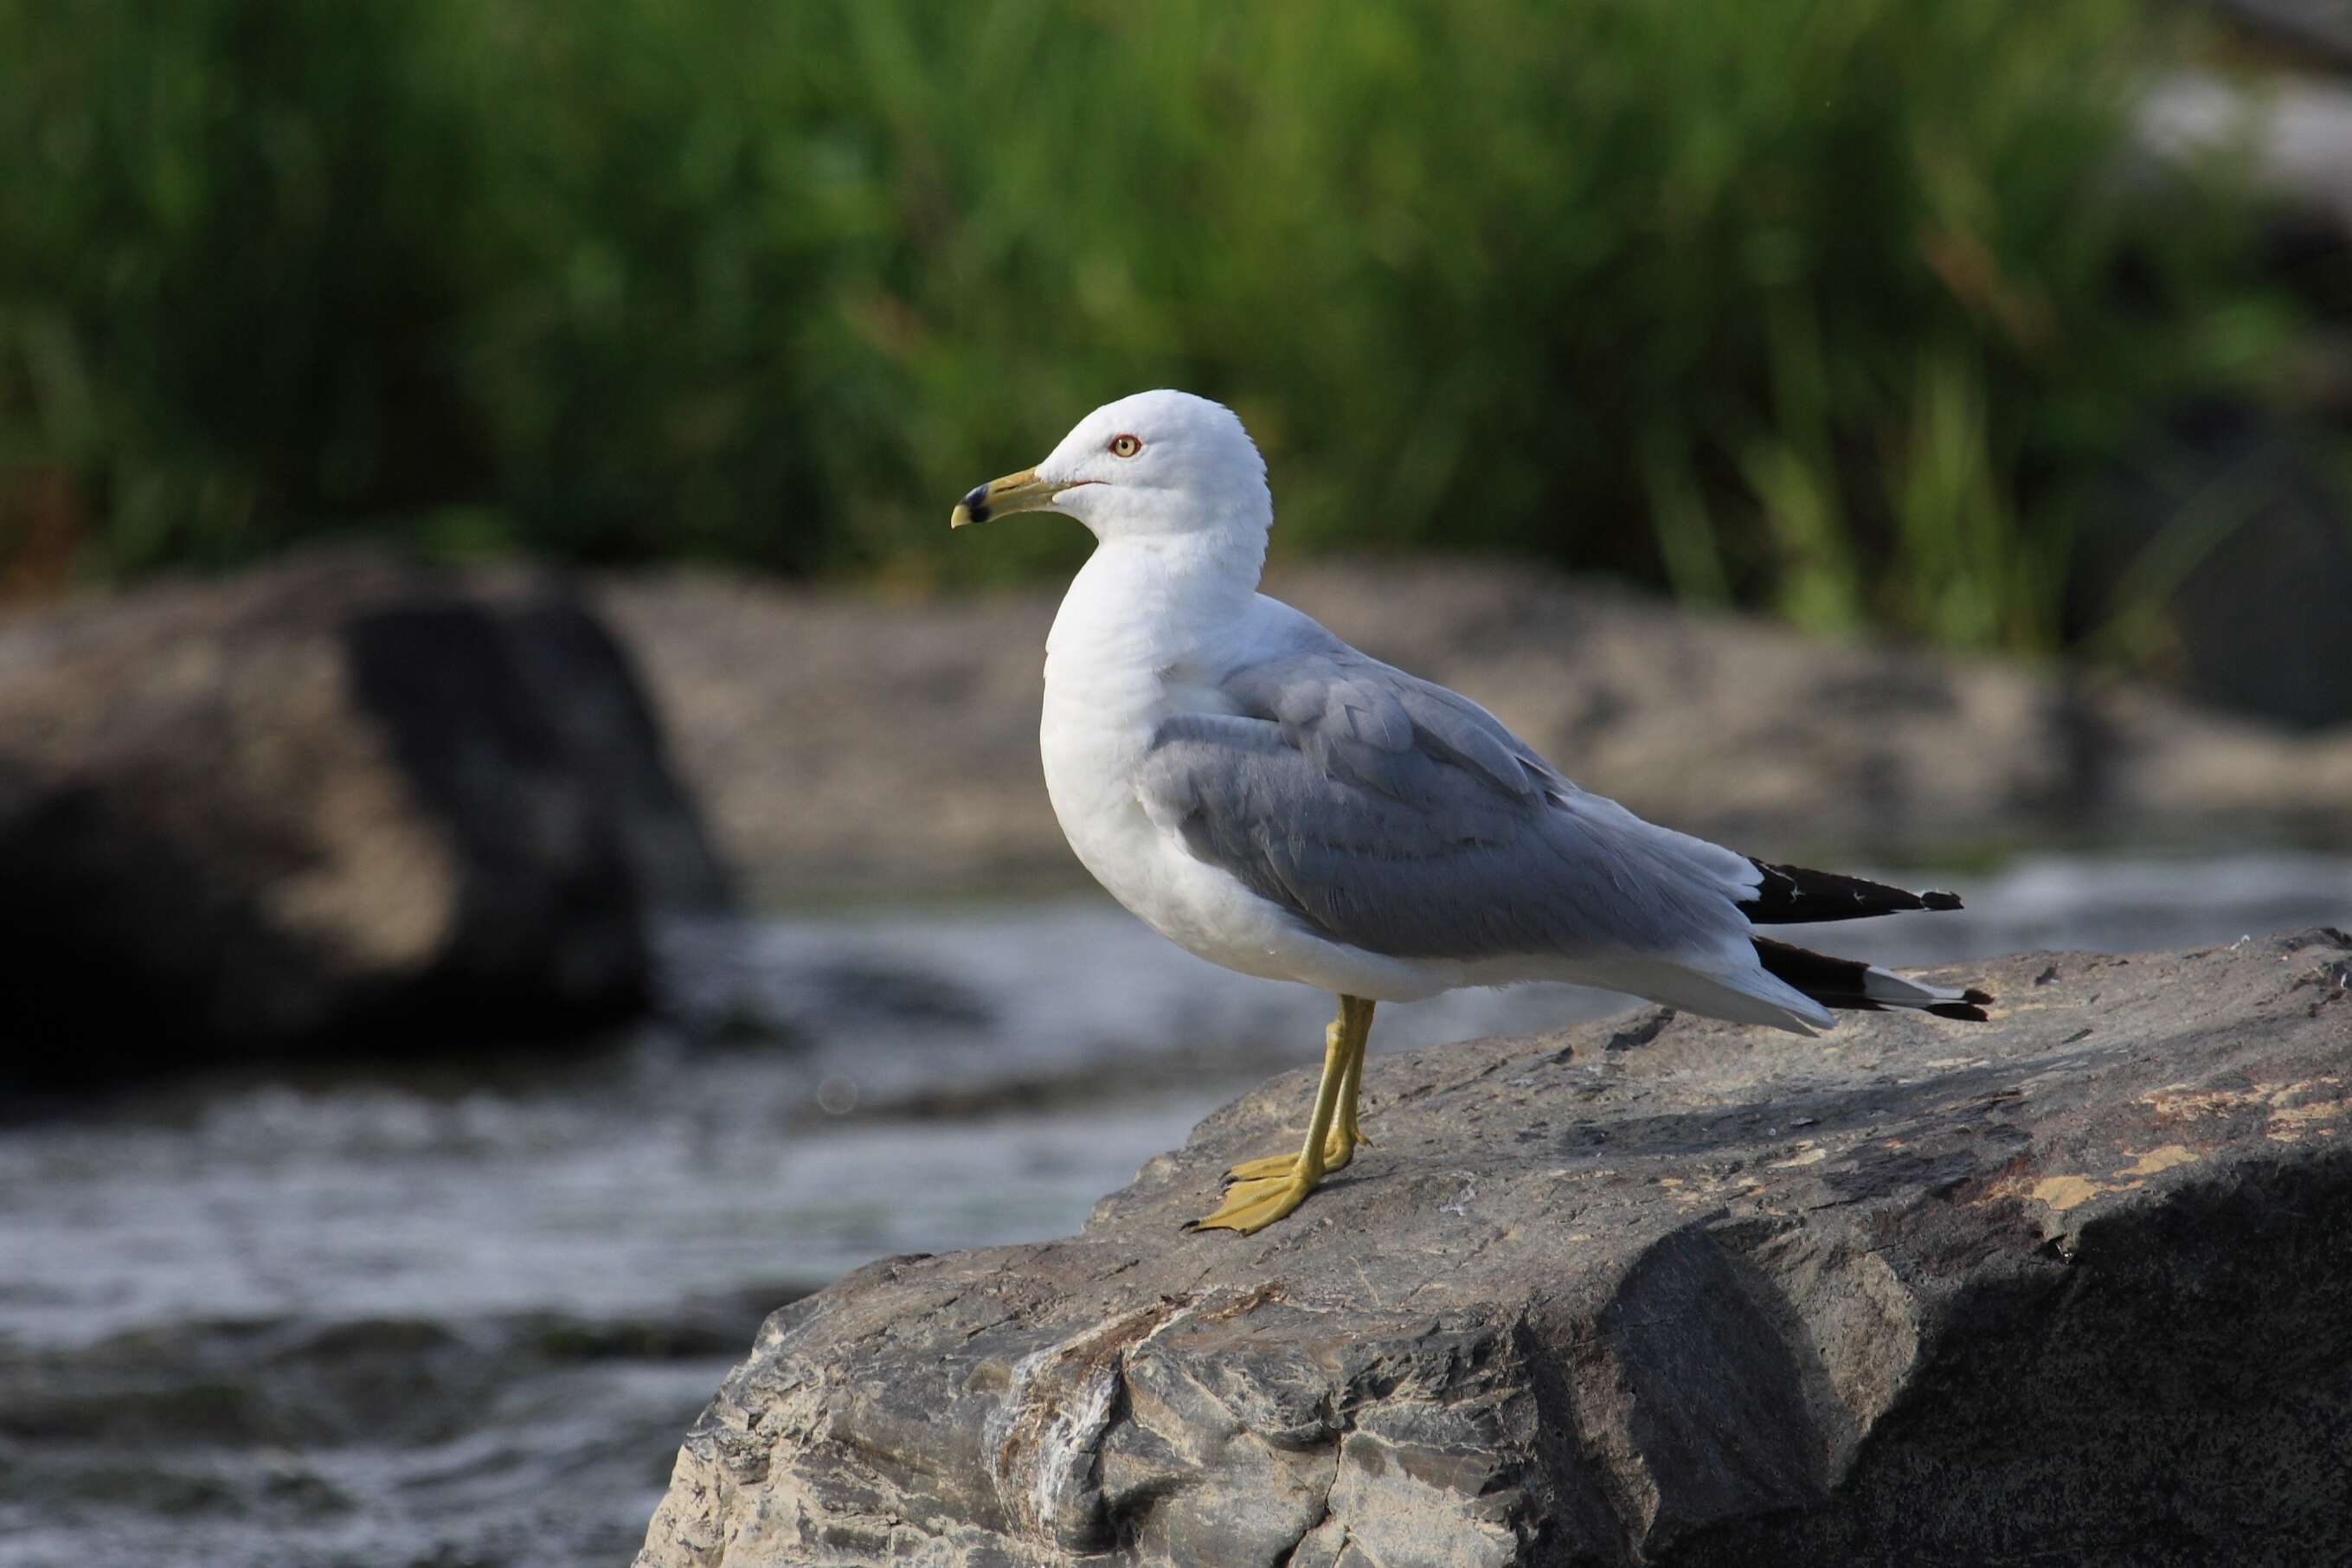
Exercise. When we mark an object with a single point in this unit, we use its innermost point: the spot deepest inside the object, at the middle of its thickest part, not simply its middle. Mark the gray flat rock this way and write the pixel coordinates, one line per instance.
(839, 740)
(2073, 1286)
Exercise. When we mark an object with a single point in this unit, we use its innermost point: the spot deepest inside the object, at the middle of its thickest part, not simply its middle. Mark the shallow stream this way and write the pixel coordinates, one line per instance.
(449, 1316)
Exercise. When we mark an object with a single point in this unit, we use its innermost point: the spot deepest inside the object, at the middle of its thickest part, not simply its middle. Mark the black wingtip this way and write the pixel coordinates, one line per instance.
(1787, 894)
(1969, 1008)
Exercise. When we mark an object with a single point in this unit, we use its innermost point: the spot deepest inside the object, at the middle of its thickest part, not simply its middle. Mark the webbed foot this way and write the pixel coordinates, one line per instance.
(1251, 1205)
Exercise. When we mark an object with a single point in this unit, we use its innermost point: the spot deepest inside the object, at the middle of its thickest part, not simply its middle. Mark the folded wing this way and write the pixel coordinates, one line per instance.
(1391, 815)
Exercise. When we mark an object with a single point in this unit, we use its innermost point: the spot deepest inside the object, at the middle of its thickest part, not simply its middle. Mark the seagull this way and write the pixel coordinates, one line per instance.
(1263, 795)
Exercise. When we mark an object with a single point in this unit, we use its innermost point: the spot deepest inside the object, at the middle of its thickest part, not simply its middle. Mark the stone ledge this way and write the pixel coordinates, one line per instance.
(2073, 1284)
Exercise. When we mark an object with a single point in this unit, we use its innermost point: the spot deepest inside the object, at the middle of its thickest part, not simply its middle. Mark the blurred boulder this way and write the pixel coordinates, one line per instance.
(836, 738)
(341, 802)
(2232, 517)
(2240, 539)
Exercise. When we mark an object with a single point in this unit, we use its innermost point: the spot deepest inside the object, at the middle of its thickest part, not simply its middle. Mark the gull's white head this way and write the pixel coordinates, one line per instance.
(1156, 463)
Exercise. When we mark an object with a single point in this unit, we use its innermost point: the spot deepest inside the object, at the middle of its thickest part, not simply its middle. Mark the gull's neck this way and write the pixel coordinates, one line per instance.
(1154, 601)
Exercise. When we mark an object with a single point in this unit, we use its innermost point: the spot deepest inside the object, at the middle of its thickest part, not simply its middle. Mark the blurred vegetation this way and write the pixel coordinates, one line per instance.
(1841, 307)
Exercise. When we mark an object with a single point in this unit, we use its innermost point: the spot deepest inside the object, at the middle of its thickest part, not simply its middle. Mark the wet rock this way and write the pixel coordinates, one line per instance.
(2070, 1286)
(337, 803)
(836, 739)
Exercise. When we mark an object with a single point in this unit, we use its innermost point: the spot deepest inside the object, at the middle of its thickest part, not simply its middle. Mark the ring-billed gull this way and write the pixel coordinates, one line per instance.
(1264, 795)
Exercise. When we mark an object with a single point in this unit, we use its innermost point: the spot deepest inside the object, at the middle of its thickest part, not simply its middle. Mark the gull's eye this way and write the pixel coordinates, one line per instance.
(1125, 445)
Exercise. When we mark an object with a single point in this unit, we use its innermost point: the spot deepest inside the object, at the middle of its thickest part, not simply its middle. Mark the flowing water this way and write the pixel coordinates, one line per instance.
(444, 1316)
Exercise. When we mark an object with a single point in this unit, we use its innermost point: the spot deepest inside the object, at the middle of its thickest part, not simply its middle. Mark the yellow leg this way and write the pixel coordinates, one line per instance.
(1263, 1191)
(1351, 1031)
(1349, 1133)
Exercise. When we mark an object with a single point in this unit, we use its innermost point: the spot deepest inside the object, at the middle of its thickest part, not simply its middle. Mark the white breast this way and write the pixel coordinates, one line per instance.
(1104, 699)
(1112, 676)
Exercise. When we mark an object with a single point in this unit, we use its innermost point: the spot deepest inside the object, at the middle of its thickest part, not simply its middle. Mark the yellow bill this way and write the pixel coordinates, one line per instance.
(1023, 491)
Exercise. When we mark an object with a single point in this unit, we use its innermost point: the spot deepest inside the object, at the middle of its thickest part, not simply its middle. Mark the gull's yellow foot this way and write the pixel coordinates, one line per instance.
(1337, 1153)
(1263, 1191)
(1251, 1205)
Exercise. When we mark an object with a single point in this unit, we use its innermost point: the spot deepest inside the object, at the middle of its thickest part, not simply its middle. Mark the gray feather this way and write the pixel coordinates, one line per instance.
(1391, 815)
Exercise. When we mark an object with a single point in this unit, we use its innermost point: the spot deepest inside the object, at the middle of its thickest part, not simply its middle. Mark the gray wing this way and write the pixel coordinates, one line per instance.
(1391, 815)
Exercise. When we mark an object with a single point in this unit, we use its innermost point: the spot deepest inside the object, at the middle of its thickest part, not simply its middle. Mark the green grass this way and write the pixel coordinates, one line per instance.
(1838, 307)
